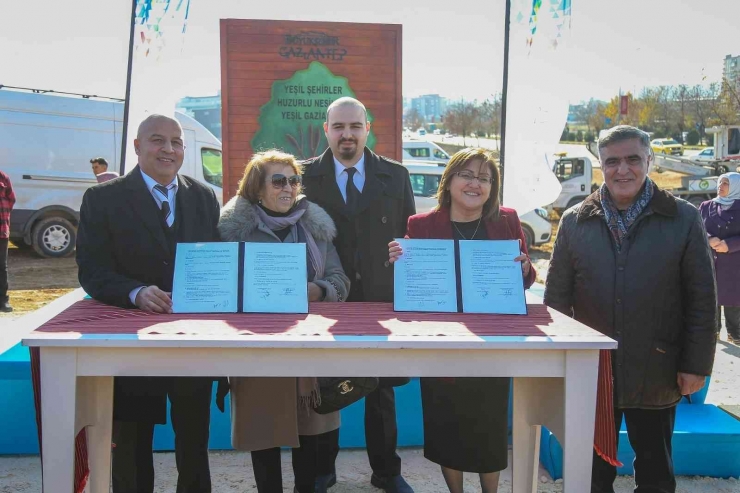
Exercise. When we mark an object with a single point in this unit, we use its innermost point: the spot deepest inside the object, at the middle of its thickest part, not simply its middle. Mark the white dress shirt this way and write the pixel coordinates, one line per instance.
(171, 194)
(340, 172)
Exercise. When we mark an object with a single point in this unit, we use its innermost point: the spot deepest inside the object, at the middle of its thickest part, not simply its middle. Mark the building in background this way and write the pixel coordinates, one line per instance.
(576, 113)
(731, 71)
(431, 107)
(206, 110)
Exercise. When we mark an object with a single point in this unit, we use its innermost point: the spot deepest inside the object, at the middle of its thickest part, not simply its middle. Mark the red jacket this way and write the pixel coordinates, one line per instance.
(7, 199)
(437, 225)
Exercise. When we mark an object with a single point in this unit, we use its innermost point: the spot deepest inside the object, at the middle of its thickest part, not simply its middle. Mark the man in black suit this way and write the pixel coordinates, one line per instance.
(129, 228)
(370, 199)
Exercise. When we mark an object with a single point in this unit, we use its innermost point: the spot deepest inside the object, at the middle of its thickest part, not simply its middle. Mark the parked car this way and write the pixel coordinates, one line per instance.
(667, 146)
(425, 182)
(421, 150)
(705, 156)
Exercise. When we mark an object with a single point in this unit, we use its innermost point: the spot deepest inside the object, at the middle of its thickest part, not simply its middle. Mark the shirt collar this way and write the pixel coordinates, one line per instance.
(150, 182)
(359, 166)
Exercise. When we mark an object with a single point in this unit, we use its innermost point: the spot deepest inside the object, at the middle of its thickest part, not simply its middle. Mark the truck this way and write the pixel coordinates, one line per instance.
(698, 184)
(46, 143)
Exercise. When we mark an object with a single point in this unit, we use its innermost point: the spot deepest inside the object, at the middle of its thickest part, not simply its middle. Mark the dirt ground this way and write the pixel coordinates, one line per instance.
(231, 472)
(34, 281)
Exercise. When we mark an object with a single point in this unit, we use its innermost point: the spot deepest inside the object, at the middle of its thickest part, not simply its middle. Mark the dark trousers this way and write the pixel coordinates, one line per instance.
(650, 432)
(3, 270)
(732, 320)
(314, 453)
(381, 432)
(133, 464)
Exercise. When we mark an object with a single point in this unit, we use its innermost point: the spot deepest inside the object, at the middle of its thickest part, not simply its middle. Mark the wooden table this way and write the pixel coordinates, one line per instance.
(554, 371)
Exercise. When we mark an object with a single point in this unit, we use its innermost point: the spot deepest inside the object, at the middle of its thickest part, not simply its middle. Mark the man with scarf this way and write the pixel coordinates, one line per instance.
(634, 263)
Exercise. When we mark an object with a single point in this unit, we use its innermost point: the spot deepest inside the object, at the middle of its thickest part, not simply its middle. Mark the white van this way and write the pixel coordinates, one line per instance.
(421, 150)
(46, 143)
(425, 178)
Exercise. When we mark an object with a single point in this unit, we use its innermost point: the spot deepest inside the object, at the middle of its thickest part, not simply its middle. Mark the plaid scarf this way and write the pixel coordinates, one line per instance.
(619, 223)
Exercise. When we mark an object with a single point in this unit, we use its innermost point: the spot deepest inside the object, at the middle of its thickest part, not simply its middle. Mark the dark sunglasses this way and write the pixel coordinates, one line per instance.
(279, 180)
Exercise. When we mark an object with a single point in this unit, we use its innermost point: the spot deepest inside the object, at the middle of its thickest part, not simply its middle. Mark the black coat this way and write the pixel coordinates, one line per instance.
(656, 296)
(121, 245)
(386, 203)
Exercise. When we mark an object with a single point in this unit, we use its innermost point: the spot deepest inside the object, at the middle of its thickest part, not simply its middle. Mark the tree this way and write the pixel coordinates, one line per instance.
(414, 120)
(722, 108)
(586, 113)
(490, 116)
(611, 111)
(597, 119)
(700, 108)
(664, 123)
(682, 98)
(692, 138)
(648, 114)
(461, 118)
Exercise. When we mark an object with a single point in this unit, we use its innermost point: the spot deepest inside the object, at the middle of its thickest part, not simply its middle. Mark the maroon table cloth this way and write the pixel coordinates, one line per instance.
(352, 319)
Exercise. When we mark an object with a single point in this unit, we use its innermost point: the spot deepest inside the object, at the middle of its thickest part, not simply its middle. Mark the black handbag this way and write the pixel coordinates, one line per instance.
(338, 393)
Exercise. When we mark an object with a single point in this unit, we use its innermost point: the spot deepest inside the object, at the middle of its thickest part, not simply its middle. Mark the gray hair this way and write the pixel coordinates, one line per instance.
(346, 101)
(624, 132)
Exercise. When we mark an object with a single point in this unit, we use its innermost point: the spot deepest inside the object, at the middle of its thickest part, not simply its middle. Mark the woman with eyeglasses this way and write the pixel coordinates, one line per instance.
(465, 419)
(269, 413)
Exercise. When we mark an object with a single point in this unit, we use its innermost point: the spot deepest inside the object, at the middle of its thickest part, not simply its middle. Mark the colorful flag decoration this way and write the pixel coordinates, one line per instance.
(159, 42)
(154, 18)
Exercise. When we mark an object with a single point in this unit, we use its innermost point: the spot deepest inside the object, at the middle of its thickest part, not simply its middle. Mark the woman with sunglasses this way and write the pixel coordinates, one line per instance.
(465, 419)
(269, 413)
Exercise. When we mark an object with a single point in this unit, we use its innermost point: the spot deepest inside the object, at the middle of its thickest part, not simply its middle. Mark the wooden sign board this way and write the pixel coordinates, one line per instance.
(278, 78)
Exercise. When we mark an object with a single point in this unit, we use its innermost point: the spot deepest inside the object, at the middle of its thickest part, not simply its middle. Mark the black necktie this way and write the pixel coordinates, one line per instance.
(353, 194)
(166, 211)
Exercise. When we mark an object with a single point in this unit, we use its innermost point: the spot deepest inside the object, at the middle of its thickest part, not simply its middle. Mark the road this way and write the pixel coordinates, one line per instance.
(570, 149)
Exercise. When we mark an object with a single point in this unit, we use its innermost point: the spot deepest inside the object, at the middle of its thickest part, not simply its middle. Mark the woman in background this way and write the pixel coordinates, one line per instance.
(721, 217)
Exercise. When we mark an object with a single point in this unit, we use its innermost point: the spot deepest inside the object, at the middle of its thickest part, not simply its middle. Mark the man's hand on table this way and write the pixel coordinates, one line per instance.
(153, 300)
(689, 383)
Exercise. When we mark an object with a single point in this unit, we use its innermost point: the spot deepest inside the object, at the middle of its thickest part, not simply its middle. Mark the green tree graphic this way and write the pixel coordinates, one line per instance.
(293, 119)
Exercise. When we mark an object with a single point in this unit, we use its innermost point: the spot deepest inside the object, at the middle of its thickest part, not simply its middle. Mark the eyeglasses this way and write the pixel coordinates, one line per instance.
(468, 176)
(279, 180)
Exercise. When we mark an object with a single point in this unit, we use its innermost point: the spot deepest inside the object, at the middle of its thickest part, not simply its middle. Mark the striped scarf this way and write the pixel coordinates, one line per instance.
(619, 223)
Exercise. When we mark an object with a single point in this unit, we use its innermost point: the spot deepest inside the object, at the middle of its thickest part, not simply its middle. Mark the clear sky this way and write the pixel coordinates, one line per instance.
(450, 47)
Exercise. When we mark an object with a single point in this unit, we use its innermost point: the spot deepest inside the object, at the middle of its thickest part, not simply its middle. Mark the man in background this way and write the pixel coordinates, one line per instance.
(7, 199)
(100, 169)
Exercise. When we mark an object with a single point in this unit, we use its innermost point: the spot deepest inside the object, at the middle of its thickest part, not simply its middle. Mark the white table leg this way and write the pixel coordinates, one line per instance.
(581, 377)
(58, 383)
(95, 397)
(526, 436)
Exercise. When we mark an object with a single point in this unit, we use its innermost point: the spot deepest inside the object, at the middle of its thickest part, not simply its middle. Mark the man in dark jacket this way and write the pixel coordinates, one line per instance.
(7, 199)
(369, 197)
(633, 262)
(129, 228)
